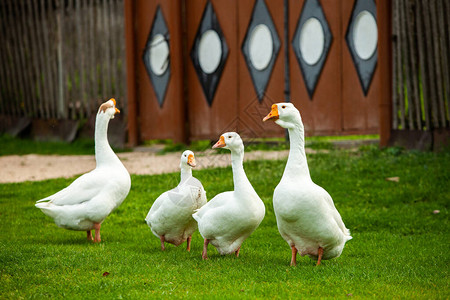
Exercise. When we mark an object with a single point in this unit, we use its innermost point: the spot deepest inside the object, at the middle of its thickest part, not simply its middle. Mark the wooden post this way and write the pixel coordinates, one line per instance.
(384, 14)
(131, 72)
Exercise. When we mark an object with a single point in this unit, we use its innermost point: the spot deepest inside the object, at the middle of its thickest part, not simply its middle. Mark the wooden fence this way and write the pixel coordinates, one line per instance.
(421, 56)
(60, 58)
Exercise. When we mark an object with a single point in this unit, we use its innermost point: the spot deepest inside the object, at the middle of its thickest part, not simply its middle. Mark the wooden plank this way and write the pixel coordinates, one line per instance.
(400, 66)
(100, 48)
(32, 101)
(92, 58)
(395, 82)
(430, 62)
(406, 64)
(422, 63)
(113, 45)
(445, 49)
(437, 63)
(44, 96)
(49, 82)
(123, 66)
(5, 80)
(12, 71)
(414, 74)
(106, 50)
(34, 58)
(384, 15)
(79, 26)
(129, 9)
(69, 57)
(3, 76)
(23, 94)
(87, 73)
(60, 106)
(62, 103)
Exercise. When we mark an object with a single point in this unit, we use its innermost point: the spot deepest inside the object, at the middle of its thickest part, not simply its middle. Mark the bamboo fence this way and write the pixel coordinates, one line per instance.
(421, 56)
(60, 58)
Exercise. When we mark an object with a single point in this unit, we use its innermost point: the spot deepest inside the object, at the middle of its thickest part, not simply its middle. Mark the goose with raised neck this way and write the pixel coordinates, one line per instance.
(170, 216)
(306, 216)
(85, 203)
(230, 217)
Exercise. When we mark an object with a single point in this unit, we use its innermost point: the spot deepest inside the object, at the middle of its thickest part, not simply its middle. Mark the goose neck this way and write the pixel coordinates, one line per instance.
(186, 173)
(103, 151)
(297, 165)
(240, 180)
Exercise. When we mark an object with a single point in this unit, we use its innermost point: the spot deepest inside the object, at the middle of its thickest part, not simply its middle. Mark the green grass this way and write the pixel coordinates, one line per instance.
(20, 146)
(266, 144)
(83, 146)
(400, 249)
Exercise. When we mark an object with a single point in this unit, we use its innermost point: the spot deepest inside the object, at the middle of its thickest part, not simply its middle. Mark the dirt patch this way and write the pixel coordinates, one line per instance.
(32, 167)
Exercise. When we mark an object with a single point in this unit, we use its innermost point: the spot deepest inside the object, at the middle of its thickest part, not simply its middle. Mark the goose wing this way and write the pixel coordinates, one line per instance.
(83, 189)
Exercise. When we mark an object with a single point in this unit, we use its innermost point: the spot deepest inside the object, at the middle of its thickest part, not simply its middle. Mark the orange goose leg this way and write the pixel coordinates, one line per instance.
(205, 249)
(294, 256)
(237, 251)
(320, 251)
(188, 248)
(89, 235)
(97, 232)
(162, 243)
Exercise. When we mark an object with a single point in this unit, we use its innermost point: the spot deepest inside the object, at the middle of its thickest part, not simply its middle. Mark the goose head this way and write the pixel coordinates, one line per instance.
(187, 159)
(109, 108)
(284, 114)
(231, 141)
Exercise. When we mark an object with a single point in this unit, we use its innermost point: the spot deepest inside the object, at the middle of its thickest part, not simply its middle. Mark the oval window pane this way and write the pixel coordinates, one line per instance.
(365, 35)
(312, 41)
(159, 53)
(209, 51)
(260, 47)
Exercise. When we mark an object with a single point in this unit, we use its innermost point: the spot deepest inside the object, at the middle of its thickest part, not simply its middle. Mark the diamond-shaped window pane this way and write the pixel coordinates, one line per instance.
(260, 47)
(209, 52)
(362, 38)
(311, 43)
(156, 56)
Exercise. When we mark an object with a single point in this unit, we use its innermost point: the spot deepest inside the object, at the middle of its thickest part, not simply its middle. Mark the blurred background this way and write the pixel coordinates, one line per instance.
(190, 70)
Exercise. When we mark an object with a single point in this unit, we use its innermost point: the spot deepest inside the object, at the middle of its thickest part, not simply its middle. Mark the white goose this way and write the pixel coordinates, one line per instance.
(230, 217)
(170, 217)
(306, 216)
(85, 203)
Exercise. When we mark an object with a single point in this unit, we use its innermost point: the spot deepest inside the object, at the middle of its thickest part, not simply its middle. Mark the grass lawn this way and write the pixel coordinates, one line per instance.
(400, 248)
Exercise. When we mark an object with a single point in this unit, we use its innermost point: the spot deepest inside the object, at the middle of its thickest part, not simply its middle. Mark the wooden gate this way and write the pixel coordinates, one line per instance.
(223, 63)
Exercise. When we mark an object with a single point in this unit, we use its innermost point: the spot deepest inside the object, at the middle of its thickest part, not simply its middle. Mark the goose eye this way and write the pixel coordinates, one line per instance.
(185, 155)
(284, 106)
(229, 136)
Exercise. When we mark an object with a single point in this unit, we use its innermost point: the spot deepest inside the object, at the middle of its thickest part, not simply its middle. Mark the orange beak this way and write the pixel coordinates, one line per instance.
(114, 101)
(220, 143)
(273, 115)
(191, 161)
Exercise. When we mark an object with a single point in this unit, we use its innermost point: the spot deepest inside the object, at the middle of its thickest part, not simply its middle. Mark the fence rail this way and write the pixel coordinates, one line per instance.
(60, 58)
(421, 56)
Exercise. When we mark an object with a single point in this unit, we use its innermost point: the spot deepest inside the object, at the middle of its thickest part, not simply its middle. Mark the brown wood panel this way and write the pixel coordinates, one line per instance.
(251, 111)
(168, 121)
(384, 14)
(360, 113)
(323, 114)
(208, 122)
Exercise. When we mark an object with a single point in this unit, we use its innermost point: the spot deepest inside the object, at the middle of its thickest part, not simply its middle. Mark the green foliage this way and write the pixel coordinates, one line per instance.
(399, 247)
